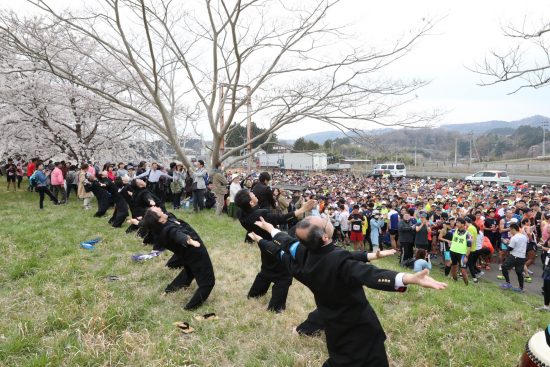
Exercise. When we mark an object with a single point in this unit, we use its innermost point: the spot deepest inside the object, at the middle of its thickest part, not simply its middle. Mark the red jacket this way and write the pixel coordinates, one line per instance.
(30, 169)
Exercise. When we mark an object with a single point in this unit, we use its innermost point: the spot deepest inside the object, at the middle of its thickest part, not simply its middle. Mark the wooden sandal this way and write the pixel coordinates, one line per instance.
(184, 327)
(208, 316)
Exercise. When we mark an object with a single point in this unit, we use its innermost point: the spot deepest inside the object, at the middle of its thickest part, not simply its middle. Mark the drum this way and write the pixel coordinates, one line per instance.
(537, 352)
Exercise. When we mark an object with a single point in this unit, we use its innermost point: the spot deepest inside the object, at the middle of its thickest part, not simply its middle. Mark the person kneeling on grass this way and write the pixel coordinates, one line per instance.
(189, 252)
(354, 334)
(422, 260)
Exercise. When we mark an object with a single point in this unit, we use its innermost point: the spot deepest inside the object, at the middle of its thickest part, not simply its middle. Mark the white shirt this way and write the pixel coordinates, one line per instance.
(234, 188)
(518, 244)
(343, 218)
(153, 176)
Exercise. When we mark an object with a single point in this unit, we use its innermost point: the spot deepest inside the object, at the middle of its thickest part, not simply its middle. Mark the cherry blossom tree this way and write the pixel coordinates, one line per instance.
(221, 64)
(47, 116)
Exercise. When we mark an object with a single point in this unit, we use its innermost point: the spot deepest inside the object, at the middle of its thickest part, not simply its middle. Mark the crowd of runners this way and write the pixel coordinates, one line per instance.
(469, 227)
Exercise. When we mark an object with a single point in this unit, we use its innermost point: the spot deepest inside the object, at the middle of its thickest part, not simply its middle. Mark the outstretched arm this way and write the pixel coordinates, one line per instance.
(423, 279)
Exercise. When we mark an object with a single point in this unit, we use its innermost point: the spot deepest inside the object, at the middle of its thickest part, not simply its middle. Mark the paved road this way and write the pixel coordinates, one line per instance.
(538, 180)
(491, 276)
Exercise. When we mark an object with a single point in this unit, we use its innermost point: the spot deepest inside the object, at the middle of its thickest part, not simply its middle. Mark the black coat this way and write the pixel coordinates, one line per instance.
(140, 202)
(248, 218)
(99, 191)
(174, 234)
(264, 195)
(336, 277)
(406, 232)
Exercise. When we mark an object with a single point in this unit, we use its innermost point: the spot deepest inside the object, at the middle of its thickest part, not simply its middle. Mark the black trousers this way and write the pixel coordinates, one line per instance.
(375, 351)
(119, 214)
(406, 251)
(198, 199)
(199, 269)
(279, 291)
(472, 261)
(313, 325)
(546, 291)
(513, 262)
(60, 189)
(102, 205)
(44, 190)
(71, 187)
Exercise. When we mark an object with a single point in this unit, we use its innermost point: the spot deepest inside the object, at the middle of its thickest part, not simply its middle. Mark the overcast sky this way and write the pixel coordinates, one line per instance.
(466, 33)
(469, 30)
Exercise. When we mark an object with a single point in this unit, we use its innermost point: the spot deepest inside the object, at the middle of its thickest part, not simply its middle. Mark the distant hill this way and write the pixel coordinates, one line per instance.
(485, 127)
(497, 127)
(322, 136)
(505, 131)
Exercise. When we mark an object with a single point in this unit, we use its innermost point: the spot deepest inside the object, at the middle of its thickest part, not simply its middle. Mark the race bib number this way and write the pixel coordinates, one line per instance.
(356, 227)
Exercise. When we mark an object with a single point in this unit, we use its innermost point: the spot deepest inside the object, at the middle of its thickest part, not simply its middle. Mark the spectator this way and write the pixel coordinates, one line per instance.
(422, 260)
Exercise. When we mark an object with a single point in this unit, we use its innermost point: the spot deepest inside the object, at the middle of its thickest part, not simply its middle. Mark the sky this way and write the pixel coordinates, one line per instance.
(465, 33)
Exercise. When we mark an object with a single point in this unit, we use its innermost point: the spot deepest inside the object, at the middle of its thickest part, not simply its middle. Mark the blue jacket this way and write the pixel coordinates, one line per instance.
(40, 178)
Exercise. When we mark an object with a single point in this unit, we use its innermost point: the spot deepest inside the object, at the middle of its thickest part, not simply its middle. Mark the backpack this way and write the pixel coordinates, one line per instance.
(33, 180)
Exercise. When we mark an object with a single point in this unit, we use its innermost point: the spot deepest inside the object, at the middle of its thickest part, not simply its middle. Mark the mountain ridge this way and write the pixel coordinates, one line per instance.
(499, 127)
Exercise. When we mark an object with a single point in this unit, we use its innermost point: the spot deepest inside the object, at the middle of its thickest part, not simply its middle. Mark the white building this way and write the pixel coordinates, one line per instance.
(307, 161)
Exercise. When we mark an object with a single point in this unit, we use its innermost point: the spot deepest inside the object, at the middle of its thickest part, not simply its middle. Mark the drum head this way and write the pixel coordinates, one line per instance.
(538, 350)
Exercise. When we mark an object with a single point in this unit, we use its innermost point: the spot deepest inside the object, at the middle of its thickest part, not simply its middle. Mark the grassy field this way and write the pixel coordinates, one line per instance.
(59, 309)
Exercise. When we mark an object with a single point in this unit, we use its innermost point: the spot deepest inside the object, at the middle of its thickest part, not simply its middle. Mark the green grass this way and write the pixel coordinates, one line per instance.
(58, 309)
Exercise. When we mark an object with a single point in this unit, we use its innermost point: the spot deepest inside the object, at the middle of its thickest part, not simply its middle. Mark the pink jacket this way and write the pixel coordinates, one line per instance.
(56, 177)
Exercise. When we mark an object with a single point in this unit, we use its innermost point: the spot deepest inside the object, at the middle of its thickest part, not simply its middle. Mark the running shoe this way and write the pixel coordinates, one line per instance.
(530, 272)
(517, 290)
(475, 280)
(506, 286)
(543, 308)
(481, 273)
(528, 279)
(500, 277)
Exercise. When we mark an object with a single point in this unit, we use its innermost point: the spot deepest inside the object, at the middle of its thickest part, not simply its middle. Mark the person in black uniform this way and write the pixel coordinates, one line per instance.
(189, 252)
(271, 271)
(121, 205)
(354, 334)
(263, 192)
(100, 192)
(142, 199)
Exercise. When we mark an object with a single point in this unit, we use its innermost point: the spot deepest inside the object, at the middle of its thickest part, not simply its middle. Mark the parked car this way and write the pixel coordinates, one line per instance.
(489, 176)
(395, 169)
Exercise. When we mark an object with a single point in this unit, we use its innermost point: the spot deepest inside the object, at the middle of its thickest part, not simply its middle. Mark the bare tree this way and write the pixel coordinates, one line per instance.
(222, 63)
(526, 64)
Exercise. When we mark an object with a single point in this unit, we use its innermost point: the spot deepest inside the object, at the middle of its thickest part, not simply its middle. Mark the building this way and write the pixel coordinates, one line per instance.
(307, 161)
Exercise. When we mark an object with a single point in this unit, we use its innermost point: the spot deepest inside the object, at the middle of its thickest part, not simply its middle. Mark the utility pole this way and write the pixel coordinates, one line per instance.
(456, 149)
(470, 135)
(415, 152)
(544, 124)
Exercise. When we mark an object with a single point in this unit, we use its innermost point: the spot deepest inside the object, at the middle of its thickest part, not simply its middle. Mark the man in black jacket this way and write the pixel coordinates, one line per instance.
(263, 192)
(354, 334)
(406, 232)
(271, 271)
(189, 252)
(100, 192)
